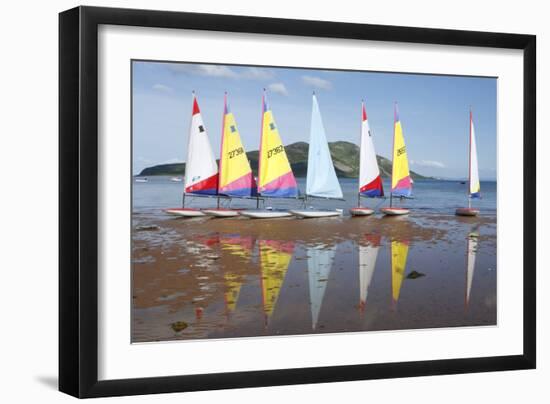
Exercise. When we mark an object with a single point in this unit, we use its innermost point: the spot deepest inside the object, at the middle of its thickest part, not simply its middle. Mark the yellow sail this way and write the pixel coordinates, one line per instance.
(399, 251)
(275, 257)
(401, 180)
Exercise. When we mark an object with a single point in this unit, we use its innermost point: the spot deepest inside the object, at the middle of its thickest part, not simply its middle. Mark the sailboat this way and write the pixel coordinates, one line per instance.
(321, 179)
(275, 177)
(367, 263)
(470, 264)
(370, 182)
(235, 178)
(319, 264)
(275, 257)
(401, 182)
(473, 175)
(201, 169)
(399, 252)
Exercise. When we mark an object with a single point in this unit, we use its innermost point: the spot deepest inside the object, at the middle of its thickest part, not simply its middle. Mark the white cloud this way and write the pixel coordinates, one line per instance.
(256, 73)
(162, 88)
(428, 163)
(317, 82)
(251, 73)
(278, 88)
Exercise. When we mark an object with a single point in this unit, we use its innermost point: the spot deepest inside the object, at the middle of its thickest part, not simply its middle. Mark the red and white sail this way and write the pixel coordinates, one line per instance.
(201, 169)
(370, 183)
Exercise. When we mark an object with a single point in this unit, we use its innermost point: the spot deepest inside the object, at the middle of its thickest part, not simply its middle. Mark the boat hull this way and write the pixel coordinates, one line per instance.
(395, 211)
(466, 212)
(310, 213)
(222, 212)
(361, 211)
(185, 212)
(264, 214)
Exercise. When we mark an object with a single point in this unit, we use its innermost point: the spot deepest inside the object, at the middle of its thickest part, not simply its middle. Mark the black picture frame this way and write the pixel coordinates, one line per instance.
(78, 196)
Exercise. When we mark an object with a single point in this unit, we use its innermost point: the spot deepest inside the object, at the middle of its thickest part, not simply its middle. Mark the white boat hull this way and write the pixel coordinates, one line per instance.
(222, 212)
(395, 211)
(466, 212)
(311, 213)
(361, 211)
(265, 214)
(185, 212)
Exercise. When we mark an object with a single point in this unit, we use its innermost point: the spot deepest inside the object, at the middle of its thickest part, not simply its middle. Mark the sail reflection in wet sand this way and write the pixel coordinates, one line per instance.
(319, 264)
(470, 264)
(367, 263)
(399, 252)
(275, 257)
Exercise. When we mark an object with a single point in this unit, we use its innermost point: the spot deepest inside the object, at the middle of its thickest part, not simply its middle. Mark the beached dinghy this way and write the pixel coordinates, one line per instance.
(222, 212)
(370, 183)
(201, 171)
(275, 177)
(321, 176)
(401, 183)
(473, 174)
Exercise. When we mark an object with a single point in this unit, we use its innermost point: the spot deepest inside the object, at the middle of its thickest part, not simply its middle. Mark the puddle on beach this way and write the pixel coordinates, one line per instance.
(209, 278)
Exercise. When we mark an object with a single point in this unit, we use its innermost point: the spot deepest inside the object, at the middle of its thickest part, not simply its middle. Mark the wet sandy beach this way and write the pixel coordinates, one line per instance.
(218, 278)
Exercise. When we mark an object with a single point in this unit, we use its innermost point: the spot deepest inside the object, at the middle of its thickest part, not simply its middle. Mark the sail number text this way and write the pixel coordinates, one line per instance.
(236, 152)
(275, 151)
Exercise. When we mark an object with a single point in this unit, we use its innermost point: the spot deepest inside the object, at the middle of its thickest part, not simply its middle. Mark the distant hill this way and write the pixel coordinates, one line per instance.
(345, 156)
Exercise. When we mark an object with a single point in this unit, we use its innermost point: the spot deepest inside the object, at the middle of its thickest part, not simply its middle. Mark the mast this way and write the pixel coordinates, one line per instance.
(188, 152)
(469, 163)
(393, 156)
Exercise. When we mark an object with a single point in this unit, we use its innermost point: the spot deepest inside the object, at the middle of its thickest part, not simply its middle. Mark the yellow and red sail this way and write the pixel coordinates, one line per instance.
(235, 178)
(401, 184)
(275, 177)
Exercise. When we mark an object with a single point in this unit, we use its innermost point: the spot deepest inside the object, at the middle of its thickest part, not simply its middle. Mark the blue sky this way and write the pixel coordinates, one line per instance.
(433, 111)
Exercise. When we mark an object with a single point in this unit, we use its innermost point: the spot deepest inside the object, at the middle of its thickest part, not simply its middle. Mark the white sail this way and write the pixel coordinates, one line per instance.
(321, 176)
(367, 262)
(319, 264)
(473, 169)
(201, 169)
(370, 183)
(470, 263)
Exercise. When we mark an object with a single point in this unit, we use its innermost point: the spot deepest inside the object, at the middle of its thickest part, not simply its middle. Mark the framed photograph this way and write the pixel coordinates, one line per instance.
(252, 201)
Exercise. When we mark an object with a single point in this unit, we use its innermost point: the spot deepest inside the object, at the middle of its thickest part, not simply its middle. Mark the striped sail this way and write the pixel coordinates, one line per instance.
(370, 183)
(235, 174)
(319, 264)
(275, 257)
(401, 184)
(367, 262)
(201, 169)
(275, 177)
(321, 176)
(475, 188)
(399, 251)
(470, 263)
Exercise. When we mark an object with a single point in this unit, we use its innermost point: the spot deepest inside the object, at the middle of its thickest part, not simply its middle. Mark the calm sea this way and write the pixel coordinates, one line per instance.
(429, 196)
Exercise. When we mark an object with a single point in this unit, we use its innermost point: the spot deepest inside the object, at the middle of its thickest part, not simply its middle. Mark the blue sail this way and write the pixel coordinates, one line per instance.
(321, 177)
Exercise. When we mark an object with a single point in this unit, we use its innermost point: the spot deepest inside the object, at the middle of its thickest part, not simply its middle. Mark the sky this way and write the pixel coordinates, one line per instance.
(433, 109)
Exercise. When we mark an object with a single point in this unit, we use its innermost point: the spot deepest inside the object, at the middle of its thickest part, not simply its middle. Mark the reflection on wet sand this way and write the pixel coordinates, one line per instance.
(319, 264)
(399, 252)
(190, 282)
(368, 252)
(275, 257)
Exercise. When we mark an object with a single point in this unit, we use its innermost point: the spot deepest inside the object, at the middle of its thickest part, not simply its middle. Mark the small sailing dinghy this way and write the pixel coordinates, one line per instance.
(275, 177)
(235, 178)
(473, 174)
(321, 177)
(201, 169)
(401, 182)
(370, 182)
